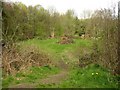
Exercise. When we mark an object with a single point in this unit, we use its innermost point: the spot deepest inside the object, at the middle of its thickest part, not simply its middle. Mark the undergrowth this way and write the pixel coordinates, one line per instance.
(92, 76)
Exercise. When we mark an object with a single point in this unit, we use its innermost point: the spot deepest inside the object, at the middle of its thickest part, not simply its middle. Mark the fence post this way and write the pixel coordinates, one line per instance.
(118, 38)
(1, 44)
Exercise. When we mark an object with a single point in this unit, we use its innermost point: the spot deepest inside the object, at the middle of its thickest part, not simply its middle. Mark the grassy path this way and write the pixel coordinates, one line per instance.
(65, 73)
(55, 79)
(51, 79)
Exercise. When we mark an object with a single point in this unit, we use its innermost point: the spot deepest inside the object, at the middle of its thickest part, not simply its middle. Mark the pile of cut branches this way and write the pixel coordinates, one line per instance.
(66, 40)
(15, 60)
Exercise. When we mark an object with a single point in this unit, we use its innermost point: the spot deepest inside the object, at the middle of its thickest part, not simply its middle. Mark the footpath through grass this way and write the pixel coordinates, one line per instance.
(51, 45)
(58, 51)
(30, 75)
(92, 76)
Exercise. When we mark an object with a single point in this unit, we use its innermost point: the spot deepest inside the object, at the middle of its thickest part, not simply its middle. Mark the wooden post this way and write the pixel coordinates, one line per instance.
(1, 42)
(118, 67)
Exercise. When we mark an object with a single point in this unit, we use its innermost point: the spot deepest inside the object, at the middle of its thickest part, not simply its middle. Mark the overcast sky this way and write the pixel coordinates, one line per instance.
(77, 5)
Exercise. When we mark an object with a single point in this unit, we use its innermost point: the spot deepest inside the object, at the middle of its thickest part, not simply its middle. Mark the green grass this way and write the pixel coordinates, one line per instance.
(51, 45)
(56, 50)
(93, 76)
(29, 75)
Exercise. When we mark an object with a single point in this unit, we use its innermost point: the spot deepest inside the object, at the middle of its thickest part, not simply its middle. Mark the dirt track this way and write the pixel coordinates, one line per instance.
(52, 79)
